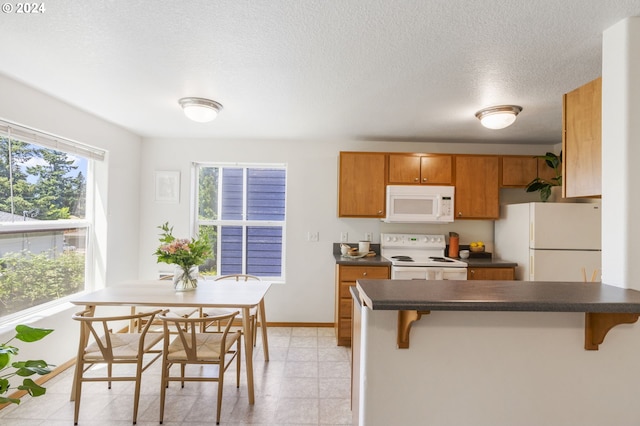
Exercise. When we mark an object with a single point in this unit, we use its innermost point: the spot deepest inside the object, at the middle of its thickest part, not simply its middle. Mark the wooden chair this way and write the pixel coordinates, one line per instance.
(194, 347)
(100, 345)
(253, 313)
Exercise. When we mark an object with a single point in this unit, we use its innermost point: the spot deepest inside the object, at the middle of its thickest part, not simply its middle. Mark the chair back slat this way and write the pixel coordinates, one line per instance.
(188, 332)
(100, 329)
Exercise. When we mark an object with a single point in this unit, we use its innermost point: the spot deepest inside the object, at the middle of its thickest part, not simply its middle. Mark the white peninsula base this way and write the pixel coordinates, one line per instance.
(491, 369)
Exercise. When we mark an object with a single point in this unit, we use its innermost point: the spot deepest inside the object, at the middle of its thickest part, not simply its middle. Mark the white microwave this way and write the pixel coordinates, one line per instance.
(419, 204)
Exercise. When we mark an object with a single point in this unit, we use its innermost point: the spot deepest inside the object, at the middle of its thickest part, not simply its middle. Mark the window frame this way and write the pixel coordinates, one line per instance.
(91, 154)
(196, 222)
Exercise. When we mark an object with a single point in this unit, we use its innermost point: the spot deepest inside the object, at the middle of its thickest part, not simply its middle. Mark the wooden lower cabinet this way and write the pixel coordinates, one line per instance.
(346, 276)
(491, 273)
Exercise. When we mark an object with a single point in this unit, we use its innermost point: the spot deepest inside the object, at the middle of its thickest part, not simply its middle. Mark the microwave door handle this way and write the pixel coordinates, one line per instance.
(438, 202)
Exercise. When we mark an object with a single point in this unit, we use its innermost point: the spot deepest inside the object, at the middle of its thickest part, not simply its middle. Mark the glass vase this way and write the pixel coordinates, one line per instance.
(185, 279)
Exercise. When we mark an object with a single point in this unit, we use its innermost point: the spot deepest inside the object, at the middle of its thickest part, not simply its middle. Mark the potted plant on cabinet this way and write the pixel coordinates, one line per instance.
(543, 185)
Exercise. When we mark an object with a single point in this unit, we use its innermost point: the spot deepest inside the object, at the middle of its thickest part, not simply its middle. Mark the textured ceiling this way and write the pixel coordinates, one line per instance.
(315, 69)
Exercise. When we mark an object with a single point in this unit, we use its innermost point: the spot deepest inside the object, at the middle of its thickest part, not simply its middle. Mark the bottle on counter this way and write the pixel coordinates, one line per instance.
(454, 244)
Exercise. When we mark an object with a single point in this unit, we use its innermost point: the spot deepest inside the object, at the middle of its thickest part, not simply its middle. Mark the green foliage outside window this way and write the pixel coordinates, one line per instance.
(46, 183)
(28, 279)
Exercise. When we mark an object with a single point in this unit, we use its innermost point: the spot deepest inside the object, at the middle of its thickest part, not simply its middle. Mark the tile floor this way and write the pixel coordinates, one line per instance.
(306, 382)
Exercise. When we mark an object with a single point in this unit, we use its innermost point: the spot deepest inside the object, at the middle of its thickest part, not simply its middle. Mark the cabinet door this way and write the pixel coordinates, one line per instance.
(582, 141)
(544, 171)
(436, 169)
(362, 184)
(477, 187)
(404, 169)
(491, 274)
(518, 171)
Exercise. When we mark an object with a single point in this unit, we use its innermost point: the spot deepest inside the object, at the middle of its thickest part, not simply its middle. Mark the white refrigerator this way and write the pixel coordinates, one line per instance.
(551, 241)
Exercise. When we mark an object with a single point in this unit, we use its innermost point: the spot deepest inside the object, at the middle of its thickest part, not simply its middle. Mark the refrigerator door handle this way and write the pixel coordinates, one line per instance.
(531, 268)
(530, 234)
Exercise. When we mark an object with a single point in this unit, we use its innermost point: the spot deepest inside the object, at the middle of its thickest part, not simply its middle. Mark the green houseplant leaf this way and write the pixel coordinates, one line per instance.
(544, 186)
(32, 387)
(29, 334)
(28, 368)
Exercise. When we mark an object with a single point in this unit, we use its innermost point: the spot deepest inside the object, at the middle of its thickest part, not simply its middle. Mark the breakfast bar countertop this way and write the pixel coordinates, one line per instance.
(531, 296)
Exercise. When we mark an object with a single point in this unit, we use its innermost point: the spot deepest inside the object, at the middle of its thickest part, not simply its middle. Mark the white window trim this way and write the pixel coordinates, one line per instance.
(31, 135)
(195, 222)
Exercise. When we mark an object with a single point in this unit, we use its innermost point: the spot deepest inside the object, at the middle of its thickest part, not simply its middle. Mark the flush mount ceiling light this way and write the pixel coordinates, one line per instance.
(498, 117)
(200, 109)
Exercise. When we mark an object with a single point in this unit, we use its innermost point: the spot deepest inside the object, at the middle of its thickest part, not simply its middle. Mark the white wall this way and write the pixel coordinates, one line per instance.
(620, 153)
(308, 293)
(117, 208)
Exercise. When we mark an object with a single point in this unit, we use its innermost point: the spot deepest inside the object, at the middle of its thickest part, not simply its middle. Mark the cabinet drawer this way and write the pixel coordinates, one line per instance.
(491, 274)
(344, 327)
(344, 290)
(352, 273)
(345, 308)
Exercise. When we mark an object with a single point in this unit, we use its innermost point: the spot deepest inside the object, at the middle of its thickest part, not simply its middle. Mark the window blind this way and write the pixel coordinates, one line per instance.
(48, 140)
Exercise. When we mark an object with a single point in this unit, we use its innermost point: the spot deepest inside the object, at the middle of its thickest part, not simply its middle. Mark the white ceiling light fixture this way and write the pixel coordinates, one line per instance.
(200, 109)
(498, 117)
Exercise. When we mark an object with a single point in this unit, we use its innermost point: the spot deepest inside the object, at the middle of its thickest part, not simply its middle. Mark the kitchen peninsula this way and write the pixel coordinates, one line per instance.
(494, 353)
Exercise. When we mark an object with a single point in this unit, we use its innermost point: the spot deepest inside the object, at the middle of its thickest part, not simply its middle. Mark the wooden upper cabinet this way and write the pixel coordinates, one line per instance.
(362, 184)
(477, 187)
(544, 171)
(436, 169)
(519, 170)
(582, 141)
(407, 169)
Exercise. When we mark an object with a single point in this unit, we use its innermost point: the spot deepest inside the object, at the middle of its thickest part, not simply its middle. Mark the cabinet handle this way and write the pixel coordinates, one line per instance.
(472, 272)
(379, 211)
(364, 274)
(459, 214)
(424, 179)
(416, 179)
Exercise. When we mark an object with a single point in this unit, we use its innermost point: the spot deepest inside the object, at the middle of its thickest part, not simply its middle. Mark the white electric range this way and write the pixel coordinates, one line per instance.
(420, 256)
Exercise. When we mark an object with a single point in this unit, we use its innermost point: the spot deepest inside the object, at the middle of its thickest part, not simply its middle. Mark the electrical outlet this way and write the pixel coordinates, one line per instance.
(368, 236)
(344, 237)
(314, 237)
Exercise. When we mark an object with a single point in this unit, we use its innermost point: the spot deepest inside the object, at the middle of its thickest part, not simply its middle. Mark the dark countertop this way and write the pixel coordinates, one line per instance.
(472, 262)
(363, 261)
(531, 296)
(488, 263)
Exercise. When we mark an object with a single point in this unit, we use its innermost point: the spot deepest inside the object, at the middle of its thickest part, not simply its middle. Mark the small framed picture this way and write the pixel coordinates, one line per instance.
(167, 187)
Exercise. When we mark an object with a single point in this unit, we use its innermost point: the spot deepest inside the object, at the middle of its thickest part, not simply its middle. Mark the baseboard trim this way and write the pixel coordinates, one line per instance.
(300, 324)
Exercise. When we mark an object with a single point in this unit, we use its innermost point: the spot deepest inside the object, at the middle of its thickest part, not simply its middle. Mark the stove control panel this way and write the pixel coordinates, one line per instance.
(412, 240)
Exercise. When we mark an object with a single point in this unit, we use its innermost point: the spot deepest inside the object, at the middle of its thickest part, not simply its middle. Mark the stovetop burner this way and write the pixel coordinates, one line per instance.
(417, 250)
(403, 258)
(440, 259)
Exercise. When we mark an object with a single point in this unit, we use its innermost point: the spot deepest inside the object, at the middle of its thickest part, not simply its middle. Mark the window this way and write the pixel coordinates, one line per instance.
(242, 210)
(43, 216)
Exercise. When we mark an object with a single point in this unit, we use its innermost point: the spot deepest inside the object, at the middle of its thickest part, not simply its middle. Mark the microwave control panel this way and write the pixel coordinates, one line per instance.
(447, 207)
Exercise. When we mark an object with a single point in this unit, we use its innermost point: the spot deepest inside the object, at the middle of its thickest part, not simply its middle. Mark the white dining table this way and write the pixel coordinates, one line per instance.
(209, 294)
